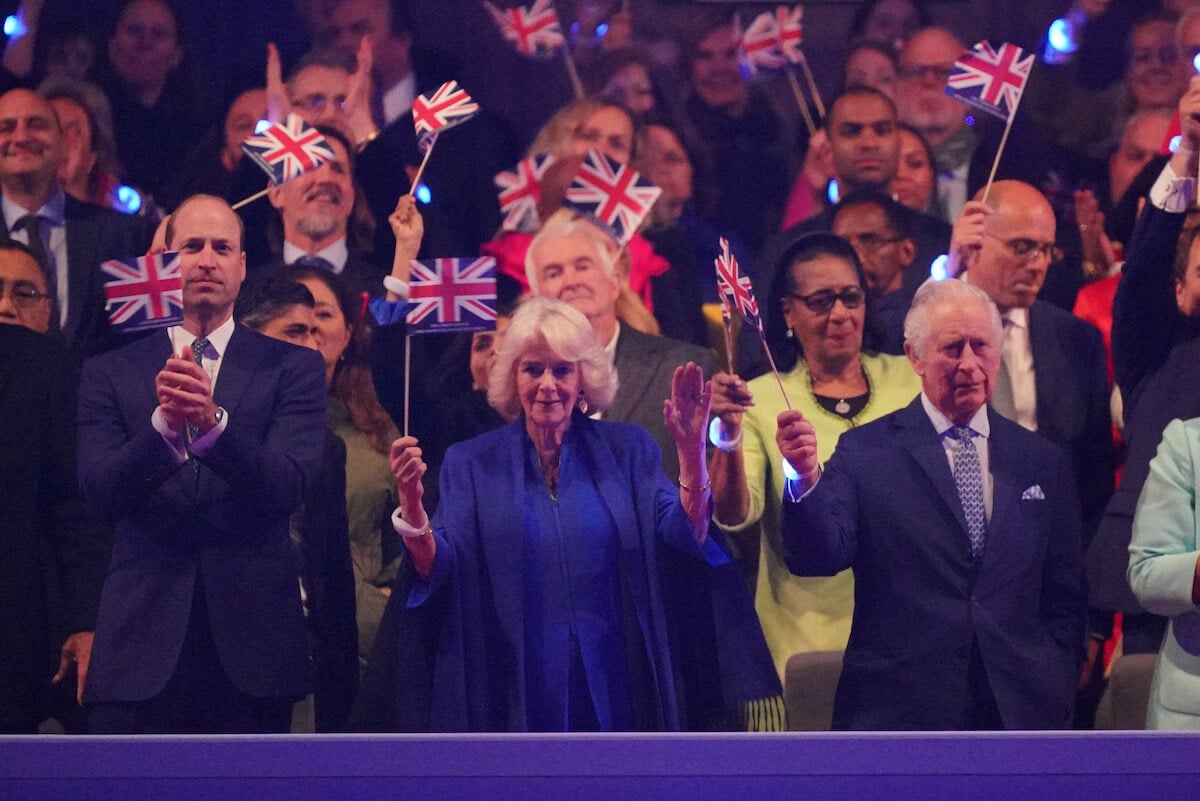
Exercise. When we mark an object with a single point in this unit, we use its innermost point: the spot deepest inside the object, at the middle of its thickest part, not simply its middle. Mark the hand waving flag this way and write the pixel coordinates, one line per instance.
(444, 108)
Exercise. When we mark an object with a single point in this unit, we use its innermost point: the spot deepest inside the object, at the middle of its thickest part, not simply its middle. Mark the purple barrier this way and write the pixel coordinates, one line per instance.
(795, 767)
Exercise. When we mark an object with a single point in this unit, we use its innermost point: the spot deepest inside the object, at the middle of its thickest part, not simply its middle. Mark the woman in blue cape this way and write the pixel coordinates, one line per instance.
(565, 584)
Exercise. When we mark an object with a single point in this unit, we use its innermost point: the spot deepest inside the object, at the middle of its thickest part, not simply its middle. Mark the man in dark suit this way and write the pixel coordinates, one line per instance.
(282, 309)
(54, 554)
(571, 259)
(71, 237)
(198, 443)
(315, 210)
(963, 532)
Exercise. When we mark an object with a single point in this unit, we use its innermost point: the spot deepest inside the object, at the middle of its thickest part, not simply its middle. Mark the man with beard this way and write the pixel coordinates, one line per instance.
(315, 209)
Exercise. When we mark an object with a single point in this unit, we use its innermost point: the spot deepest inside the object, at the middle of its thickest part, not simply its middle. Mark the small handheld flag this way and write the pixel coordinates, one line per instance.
(288, 149)
(613, 194)
(143, 292)
(447, 106)
(789, 31)
(991, 79)
(521, 191)
(533, 31)
(758, 45)
(734, 287)
(448, 295)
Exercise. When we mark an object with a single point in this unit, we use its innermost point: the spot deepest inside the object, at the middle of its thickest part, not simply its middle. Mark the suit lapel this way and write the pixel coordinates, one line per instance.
(636, 361)
(1057, 402)
(238, 364)
(83, 265)
(502, 529)
(1005, 466)
(919, 438)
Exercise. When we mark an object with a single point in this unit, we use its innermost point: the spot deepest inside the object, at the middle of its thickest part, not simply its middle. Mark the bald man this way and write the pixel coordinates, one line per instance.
(1053, 375)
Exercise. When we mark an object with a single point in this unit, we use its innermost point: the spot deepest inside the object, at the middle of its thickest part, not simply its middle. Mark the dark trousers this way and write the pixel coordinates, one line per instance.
(199, 697)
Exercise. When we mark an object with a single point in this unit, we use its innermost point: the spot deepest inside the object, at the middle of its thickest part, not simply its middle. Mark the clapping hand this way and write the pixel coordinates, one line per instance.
(685, 413)
(184, 393)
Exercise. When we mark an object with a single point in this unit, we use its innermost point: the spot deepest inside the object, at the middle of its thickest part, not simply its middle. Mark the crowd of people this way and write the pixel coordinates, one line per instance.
(959, 455)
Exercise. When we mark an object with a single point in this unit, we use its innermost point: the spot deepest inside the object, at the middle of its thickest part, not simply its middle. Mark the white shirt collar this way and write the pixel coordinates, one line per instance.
(218, 339)
(336, 254)
(54, 211)
(398, 99)
(611, 347)
(941, 423)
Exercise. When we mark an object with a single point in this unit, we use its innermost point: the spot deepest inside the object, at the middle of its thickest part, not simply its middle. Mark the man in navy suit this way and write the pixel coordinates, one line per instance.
(198, 442)
(963, 532)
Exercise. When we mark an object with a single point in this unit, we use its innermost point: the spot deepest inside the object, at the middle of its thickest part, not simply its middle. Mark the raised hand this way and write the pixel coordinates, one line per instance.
(408, 226)
(278, 103)
(685, 413)
(358, 96)
(409, 468)
(797, 441)
(1098, 250)
(730, 400)
(966, 237)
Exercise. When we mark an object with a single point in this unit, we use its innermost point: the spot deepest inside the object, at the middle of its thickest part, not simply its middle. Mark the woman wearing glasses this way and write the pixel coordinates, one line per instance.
(817, 346)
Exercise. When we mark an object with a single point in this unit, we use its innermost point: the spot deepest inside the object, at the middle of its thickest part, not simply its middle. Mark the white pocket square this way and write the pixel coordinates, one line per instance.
(1034, 493)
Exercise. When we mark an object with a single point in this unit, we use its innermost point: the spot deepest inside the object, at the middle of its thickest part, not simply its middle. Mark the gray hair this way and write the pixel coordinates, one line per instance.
(565, 223)
(569, 336)
(951, 291)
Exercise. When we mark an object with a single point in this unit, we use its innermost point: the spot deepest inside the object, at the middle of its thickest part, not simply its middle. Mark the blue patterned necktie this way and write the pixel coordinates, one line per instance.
(199, 345)
(968, 479)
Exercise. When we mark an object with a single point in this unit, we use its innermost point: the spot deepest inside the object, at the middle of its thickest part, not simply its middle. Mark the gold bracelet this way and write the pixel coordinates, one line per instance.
(368, 139)
(701, 488)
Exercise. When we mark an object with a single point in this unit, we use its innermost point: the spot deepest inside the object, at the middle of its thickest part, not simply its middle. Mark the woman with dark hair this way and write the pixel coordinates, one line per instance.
(355, 414)
(890, 21)
(817, 306)
(159, 112)
(915, 181)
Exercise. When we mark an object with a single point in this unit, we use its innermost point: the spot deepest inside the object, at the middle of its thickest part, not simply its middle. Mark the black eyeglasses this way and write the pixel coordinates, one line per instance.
(23, 293)
(822, 302)
(870, 242)
(1026, 249)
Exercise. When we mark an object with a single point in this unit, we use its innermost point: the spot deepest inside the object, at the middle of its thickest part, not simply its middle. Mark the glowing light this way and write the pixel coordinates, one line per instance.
(261, 126)
(423, 194)
(14, 27)
(601, 30)
(1061, 36)
(789, 472)
(127, 199)
(937, 268)
(1196, 62)
(1175, 142)
(831, 191)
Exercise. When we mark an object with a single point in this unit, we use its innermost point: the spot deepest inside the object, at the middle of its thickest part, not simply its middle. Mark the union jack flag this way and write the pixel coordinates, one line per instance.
(144, 292)
(534, 31)
(288, 149)
(616, 196)
(991, 79)
(758, 45)
(734, 287)
(452, 295)
(789, 32)
(521, 191)
(444, 108)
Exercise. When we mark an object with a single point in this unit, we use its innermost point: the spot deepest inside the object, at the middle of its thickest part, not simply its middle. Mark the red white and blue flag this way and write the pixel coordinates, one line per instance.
(789, 32)
(734, 287)
(613, 194)
(447, 106)
(758, 45)
(521, 191)
(991, 79)
(143, 292)
(452, 295)
(534, 31)
(288, 149)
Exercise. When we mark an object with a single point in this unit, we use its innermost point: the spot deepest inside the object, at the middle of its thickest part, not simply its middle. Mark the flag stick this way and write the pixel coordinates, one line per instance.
(812, 86)
(1000, 150)
(573, 74)
(251, 199)
(801, 103)
(412, 189)
(407, 376)
(728, 325)
(774, 369)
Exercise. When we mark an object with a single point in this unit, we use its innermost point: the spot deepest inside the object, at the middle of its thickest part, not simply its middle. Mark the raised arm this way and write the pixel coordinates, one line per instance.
(685, 415)
(409, 469)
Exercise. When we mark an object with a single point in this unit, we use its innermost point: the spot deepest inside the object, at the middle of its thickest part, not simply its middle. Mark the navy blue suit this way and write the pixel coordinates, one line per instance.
(223, 527)
(887, 507)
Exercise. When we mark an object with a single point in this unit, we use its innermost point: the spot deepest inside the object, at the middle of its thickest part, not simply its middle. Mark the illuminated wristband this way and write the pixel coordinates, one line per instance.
(393, 284)
(714, 436)
(407, 531)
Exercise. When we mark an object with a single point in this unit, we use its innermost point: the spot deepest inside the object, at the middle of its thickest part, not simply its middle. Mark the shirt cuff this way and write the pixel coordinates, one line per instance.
(393, 284)
(204, 443)
(387, 312)
(172, 438)
(1172, 193)
(794, 490)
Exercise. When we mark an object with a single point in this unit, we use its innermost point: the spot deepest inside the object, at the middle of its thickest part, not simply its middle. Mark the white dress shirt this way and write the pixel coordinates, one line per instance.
(218, 343)
(336, 254)
(983, 433)
(1172, 193)
(1018, 360)
(53, 221)
(399, 99)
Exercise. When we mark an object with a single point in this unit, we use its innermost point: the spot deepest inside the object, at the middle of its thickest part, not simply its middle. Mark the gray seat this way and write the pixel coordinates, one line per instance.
(1125, 700)
(810, 681)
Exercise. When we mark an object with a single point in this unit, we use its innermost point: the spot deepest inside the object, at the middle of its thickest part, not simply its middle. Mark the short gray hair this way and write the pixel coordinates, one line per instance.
(569, 335)
(936, 293)
(566, 223)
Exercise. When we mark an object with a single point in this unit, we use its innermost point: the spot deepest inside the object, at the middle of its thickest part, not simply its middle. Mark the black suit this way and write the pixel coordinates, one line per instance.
(95, 235)
(328, 578)
(54, 556)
